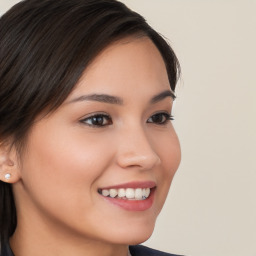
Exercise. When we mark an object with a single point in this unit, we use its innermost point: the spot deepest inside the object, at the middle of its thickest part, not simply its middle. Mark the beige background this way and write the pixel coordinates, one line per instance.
(211, 209)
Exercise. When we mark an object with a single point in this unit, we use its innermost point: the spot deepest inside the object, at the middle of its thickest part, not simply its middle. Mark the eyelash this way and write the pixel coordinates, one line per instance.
(168, 117)
(106, 118)
(103, 117)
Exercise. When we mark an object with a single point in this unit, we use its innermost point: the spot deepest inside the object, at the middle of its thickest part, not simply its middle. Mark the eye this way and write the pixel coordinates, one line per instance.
(97, 120)
(160, 118)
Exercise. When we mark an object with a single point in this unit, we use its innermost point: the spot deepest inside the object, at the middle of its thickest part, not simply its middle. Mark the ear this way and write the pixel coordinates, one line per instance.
(9, 168)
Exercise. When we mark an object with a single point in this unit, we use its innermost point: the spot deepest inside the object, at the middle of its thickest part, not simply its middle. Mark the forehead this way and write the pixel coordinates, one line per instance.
(124, 66)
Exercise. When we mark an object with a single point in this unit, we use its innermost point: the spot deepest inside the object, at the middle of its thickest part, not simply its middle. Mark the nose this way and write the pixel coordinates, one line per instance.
(136, 150)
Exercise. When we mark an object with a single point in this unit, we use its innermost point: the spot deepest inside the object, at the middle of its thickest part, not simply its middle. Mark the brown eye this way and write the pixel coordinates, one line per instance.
(97, 120)
(160, 118)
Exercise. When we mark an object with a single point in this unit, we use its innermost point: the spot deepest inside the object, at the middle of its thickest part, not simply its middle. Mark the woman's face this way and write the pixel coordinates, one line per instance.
(112, 135)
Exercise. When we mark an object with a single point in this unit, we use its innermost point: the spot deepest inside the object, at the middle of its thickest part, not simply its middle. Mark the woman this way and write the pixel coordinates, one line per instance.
(87, 151)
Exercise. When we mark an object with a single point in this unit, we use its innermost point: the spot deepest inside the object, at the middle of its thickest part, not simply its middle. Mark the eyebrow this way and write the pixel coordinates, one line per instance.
(162, 96)
(105, 98)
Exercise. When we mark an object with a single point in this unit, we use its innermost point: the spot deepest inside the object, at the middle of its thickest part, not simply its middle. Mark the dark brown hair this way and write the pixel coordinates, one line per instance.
(45, 45)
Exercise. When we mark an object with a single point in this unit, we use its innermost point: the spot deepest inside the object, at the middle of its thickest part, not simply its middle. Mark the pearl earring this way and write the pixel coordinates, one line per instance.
(7, 176)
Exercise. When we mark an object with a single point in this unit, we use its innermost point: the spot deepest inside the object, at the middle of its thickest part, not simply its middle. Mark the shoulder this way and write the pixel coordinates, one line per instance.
(140, 250)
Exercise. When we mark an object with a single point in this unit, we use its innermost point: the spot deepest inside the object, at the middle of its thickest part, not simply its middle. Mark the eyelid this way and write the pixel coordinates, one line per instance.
(164, 112)
(168, 116)
(87, 117)
(94, 114)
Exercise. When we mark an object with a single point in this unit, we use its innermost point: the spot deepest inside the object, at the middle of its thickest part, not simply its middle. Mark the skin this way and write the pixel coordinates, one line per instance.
(66, 161)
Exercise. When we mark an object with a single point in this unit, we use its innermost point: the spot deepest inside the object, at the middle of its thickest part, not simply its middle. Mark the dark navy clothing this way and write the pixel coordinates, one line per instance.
(136, 250)
(140, 250)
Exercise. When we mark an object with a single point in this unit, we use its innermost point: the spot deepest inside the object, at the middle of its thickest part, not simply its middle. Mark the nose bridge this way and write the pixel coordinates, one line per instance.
(136, 149)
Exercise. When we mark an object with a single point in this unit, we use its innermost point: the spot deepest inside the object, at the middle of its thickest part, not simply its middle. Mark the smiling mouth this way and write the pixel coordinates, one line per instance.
(126, 193)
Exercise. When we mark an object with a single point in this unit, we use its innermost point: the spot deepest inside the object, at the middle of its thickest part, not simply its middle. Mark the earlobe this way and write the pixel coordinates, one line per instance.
(9, 171)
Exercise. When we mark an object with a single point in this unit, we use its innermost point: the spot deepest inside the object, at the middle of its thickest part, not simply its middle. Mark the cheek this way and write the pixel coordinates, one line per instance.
(171, 154)
(61, 165)
(168, 148)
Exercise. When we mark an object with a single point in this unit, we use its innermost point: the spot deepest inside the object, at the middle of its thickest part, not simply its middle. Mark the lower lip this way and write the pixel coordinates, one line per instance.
(133, 205)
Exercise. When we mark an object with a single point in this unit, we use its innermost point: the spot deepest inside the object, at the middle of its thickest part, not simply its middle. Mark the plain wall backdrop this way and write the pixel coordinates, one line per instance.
(211, 207)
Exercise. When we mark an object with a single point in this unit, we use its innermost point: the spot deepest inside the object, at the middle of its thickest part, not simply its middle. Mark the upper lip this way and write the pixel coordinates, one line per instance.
(134, 184)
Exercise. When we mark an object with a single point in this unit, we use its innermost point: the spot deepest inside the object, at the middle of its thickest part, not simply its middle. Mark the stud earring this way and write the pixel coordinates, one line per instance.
(7, 176)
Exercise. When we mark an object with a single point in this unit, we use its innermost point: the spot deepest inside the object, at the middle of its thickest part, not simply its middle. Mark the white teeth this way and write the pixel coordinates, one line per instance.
(113, 193)
(147, 192)
(105, 192)
(138, 193)
(144, 192)
(121, 192)
(128, 193)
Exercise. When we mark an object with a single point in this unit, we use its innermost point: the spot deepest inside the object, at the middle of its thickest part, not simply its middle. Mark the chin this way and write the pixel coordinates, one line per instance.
(135, 234)
(139, 239)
